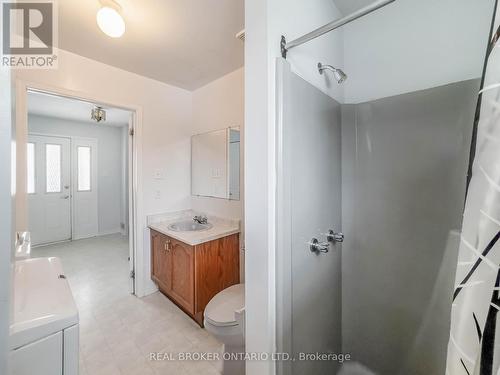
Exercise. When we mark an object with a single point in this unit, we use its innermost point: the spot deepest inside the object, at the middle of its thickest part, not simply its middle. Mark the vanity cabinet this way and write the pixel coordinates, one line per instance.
(182, 275)
(191, 275)
(161, 261)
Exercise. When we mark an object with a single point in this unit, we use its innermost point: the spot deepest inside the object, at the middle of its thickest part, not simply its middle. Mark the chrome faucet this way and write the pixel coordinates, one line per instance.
(201, 219)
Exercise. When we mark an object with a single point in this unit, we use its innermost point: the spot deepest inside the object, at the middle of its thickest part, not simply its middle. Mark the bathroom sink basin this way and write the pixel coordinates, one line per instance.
(189, 226)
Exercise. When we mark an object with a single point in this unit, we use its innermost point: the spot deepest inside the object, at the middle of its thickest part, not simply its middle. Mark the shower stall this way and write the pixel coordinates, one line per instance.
(370, 199)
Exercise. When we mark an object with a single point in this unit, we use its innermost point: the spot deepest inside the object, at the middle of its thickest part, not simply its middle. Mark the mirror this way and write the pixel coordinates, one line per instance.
(215, 164)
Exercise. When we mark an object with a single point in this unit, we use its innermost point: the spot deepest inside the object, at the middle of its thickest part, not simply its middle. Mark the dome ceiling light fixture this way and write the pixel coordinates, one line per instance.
(110, 20)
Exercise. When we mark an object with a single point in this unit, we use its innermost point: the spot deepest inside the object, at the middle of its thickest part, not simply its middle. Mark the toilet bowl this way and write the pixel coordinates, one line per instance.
(224, 318)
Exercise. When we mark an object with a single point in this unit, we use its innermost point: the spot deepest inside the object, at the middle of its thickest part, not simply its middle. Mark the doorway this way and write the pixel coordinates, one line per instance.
(62, 188)
(78, 181)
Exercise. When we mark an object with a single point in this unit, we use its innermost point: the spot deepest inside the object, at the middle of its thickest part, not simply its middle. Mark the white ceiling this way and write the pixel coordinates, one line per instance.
(349, 6)
(186, 43)
(72, 109)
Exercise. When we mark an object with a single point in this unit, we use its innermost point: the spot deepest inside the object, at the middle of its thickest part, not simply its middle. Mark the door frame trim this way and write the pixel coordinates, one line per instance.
(283, 262)
(136, 205)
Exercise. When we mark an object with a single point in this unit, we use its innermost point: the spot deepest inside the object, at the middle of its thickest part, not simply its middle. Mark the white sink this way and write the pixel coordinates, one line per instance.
(189, 226)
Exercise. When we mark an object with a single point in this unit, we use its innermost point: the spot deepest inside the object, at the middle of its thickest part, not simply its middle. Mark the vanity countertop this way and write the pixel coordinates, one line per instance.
(220, 227)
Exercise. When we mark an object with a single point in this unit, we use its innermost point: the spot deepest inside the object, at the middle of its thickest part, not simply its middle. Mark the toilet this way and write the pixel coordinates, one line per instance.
(224, 318)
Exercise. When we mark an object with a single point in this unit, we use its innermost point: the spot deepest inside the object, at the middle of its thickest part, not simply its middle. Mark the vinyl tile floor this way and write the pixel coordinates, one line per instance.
(120, 334)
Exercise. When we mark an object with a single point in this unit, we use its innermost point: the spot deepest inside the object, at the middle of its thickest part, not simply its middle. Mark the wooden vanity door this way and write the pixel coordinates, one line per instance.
(161, 262)
(182, 290)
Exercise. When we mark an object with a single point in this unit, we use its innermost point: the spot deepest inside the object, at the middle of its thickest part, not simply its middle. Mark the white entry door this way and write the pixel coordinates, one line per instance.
(84, 167)
(49, 189)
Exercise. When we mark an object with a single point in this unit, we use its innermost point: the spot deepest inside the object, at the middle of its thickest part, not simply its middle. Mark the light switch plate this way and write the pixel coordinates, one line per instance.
(158, 174)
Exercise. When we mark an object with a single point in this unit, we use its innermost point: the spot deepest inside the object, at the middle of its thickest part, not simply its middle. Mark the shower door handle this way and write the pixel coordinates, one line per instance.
(318, 247)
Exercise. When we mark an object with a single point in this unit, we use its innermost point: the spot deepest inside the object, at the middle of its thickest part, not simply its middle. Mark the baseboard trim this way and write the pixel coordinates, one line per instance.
(108, 232)
(150, 289)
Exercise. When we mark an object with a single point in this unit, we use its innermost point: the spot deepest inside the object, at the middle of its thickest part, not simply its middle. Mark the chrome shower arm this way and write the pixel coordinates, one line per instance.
(339, 75)
(322, 67)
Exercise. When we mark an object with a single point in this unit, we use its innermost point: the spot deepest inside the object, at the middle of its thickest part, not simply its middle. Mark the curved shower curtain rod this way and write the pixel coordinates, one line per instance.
(286, 46)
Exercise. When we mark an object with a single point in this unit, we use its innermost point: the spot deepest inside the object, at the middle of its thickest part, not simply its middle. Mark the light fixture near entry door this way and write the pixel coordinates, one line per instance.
(98, 114)
(110, 20)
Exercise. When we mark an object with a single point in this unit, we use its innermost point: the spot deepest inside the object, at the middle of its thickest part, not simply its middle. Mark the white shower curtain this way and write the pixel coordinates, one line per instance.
(474, 346)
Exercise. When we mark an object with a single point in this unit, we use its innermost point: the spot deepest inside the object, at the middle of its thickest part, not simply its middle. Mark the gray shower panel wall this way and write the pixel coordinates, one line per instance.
(404, 164)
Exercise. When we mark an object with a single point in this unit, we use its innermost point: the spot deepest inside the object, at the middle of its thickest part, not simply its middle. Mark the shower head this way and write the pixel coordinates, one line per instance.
(339, 75)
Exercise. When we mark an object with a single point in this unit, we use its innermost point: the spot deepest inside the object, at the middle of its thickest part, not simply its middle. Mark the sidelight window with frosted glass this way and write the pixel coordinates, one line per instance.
(31, 168)
(53, 168)
(84, 156)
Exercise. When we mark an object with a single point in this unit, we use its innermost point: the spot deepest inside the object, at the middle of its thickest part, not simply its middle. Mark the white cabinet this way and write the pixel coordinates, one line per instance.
(45, 355)
(71, 347)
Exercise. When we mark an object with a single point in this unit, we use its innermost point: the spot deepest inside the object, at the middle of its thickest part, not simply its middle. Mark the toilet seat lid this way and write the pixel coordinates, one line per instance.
(220, 310)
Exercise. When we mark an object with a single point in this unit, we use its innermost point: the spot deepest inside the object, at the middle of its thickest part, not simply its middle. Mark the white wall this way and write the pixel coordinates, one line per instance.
(497, 18)
(296, 18)
(166, 131)
(414, 45)
(219, 105)
(259, 192)
(265, 22)
(7, 162)
(109, 163)
(404, 47)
